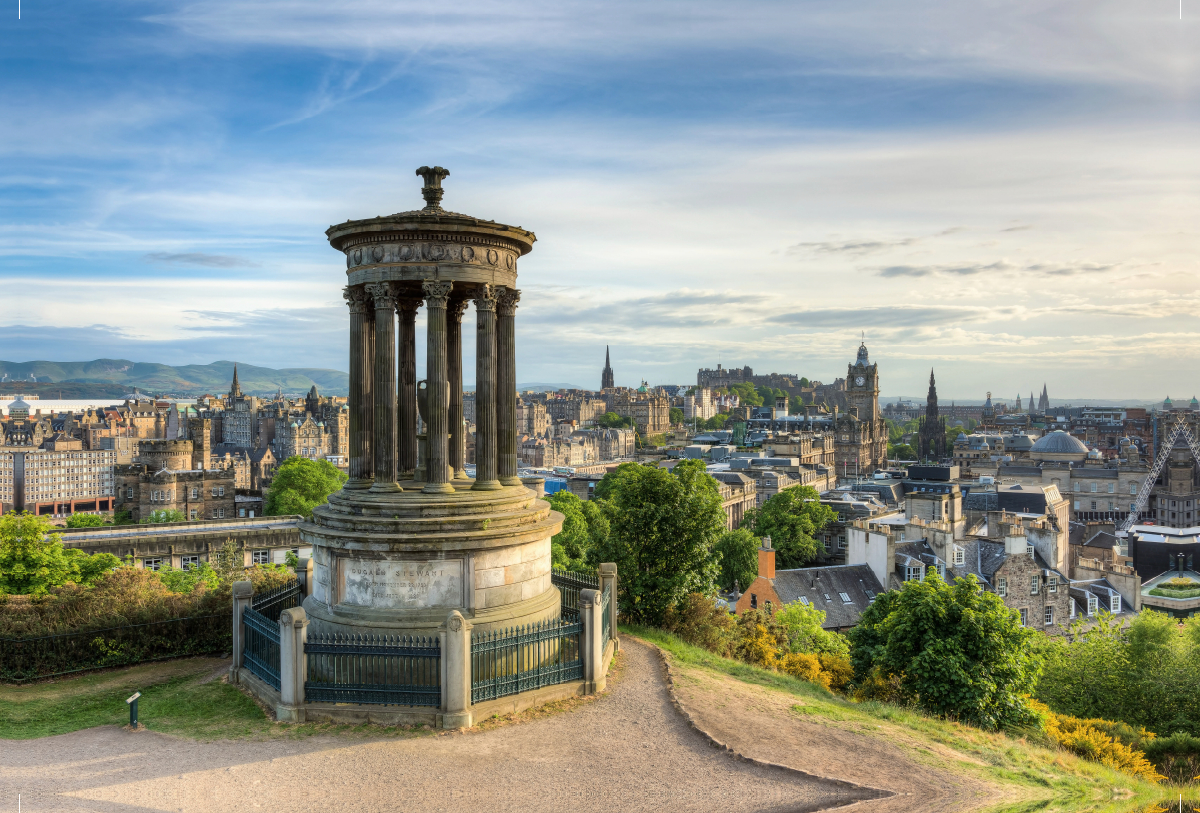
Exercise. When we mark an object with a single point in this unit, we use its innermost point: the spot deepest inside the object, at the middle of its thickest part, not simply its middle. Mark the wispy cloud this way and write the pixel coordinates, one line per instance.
(1000, 267)
(197, 258)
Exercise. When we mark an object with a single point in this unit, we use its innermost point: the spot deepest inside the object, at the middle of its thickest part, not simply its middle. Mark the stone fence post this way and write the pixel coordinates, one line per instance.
(593, 647)
(243, 593)
(304, 572)
(455, 637)
(608, 580)
(293, 665)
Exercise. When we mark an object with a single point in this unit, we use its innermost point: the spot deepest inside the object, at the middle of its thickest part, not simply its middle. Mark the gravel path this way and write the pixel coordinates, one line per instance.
(627, 751)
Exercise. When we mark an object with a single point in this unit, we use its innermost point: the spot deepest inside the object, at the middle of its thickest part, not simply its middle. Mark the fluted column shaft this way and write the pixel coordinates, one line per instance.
(362, 328)
(506, 385)
(485, 389)
(458, 444)
(406, 390)
(437, 294)
(384, 447)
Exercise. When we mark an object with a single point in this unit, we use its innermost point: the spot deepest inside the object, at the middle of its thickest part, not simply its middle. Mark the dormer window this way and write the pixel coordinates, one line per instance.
(1093, 604)
(960, 556)
(1029, 550)
(1114, 603)
(912, 573)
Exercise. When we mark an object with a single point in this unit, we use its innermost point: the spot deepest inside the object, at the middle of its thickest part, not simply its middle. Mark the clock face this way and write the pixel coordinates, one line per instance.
(860, 381)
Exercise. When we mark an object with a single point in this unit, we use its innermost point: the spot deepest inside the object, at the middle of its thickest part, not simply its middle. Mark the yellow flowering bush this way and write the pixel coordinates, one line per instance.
(1088, 739)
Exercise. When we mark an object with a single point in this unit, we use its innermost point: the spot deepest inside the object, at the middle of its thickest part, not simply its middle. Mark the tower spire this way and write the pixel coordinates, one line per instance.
(606, 375)
(235, 389)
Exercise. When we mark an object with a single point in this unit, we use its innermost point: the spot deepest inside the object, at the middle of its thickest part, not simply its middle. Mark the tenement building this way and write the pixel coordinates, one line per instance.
(164, 479)
(57, 478)
(650, 410)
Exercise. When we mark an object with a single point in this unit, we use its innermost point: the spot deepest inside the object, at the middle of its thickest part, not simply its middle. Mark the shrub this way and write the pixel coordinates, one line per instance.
(34, 561)
(839, 670)
(1091, 740)
(85, 521)
(700, 622)
(738, 552)
(1177, 757)
(804, 666)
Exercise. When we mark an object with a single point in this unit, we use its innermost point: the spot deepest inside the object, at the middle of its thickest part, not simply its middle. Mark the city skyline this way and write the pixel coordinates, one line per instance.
(999, 192)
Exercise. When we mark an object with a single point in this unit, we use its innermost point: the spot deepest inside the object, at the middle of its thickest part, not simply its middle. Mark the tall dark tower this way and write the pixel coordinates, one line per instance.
(931, 433)
(235, 389)
(606, 377)
(1044, 401)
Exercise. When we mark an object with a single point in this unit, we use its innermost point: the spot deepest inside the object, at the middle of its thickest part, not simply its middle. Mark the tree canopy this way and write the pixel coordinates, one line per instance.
(662, 528)
(33, 560)
(956, 651)
(791, 518)
(611, 420)
(676, 415)
(300, 485)
(738, 552)
(584, 524)
(84, 521)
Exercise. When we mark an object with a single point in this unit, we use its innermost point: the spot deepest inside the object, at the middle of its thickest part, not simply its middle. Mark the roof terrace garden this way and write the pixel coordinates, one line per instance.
(1182, 587)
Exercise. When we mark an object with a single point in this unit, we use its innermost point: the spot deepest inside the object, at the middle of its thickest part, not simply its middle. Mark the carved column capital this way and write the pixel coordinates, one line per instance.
(485, 298)
(436, 292)
(456, 309)
(408, 304)
(506, 301)
(356, 298)
(383, 294)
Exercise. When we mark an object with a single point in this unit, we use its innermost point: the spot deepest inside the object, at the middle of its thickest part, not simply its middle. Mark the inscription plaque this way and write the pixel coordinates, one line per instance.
(403, 585)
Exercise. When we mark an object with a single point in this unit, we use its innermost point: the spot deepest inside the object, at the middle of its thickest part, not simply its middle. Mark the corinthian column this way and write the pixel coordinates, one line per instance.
(362, 329)
(437, 294)
(406, 390)
(485, 389)
(384, 296)
(454, 314)
(506, 385)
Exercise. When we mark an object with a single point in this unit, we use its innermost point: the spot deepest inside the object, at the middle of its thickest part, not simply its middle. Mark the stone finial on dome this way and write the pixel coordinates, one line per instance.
(432, 190)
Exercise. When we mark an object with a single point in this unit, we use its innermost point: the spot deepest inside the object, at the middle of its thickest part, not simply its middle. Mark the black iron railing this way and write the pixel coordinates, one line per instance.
(271, 603)
(569, 583)
(524, 658)
(402, 670)
(261, 649)
(43, 656)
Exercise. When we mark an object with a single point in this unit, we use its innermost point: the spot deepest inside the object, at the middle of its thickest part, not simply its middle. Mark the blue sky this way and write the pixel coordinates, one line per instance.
(1004, 191)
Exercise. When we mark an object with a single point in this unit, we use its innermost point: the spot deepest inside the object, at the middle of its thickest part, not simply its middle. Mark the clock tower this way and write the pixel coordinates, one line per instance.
(860, 440)
(862, 386)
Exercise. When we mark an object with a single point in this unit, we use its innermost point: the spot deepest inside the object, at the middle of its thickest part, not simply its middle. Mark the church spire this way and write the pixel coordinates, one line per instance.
(606, 375)
(235, 389)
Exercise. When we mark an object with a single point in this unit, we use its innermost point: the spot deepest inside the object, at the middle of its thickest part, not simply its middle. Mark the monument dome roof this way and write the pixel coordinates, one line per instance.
(1058, 442)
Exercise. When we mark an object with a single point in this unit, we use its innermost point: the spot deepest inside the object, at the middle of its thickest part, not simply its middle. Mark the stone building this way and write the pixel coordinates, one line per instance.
(649, 410)
(582, 409)
(196, 493)
(57, 478)
(532, 418)
(738, 495)
(240, 424)
(931, 434)
(698, 404)
(860, 440)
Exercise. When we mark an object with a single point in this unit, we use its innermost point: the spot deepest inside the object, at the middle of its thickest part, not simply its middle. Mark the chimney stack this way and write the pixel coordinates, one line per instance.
(766, 559)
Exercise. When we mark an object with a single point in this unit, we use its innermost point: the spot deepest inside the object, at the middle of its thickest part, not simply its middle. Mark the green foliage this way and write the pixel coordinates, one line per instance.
(85, 521)
(1136, 673)
(33, 560)
(801, 624)
(583, 524)
(611, 420)
(747, 394)
(738, 556)
(676, 415)
(122, 517)
(164, 515)
(956, 651)
(185, 581)
(300, 485)
(291, 560)
(791, 518)
(662, 527)
(901, 451)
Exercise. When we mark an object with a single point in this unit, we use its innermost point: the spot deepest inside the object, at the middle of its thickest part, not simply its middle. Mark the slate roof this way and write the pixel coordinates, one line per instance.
(1059, 442)
(815, 584)
(1103, 539)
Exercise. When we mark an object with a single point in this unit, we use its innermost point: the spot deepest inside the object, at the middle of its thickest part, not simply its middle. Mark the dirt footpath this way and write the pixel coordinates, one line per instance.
(629, 750)
(759, 723)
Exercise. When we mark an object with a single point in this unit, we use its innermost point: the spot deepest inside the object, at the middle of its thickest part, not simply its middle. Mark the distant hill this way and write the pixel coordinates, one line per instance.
(150, 378)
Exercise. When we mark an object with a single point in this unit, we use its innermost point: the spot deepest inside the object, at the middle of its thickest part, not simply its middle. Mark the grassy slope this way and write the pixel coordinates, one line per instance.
(1043, 778)
(178, 697)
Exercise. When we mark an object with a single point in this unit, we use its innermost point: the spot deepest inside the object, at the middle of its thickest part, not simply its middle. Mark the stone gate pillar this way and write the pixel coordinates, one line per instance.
(485, 389)
(506, 385)
(437, 294)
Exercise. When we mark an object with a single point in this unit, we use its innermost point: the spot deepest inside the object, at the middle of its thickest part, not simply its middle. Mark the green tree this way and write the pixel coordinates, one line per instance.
(613, 480)
(662, 528)
(300, 485)
(901, 451)
(611, 420)
(676, 415)
(584, 523)
(956, 651)
(185, 581)
(33, 560)
(802, 624)
(163, 515)
(84, 521)
(791, 518)
(122, 516)
(738, 553)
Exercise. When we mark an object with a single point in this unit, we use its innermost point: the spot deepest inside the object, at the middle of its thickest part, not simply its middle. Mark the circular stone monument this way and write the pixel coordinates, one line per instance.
(409, 537)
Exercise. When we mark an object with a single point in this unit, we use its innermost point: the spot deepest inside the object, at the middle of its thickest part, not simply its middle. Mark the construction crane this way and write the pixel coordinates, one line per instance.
(1179, 430)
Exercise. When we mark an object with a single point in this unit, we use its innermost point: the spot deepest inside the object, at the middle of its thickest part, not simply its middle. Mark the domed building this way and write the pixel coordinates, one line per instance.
(1058, 447)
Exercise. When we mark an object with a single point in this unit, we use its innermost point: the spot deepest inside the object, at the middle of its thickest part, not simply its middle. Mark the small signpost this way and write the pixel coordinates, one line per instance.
(133, 721)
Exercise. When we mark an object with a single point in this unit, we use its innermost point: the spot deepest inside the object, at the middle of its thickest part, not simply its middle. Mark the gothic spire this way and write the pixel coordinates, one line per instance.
(235, 389)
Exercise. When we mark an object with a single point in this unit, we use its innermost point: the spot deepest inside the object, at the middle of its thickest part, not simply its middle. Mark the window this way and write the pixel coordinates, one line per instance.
(1092, 604)
(1035, 582)
(188, 562)
(1049, 616)
(214, 491)
(1001, 587)
(1078, 486)
(221, 491)
(1093, 488)
(262, 557)
(960, 556)
(1114, 603)
(1024, 616)
(1052, 583)
(195, 493)
(241, 512)
(218, 513)
(1029, 550)
(192, 514)
(753, 601)
(845, 598)
(1078, 504)
(804, 600)
(152, 564)
(912, 573)
(1112, 487)
(1093, 505)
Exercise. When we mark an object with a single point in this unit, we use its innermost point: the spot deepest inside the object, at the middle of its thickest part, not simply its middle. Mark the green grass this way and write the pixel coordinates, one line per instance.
(1042, 778)
(177, 698)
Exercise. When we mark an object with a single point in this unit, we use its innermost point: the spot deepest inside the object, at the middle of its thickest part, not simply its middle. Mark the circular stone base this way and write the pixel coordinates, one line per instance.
(399, 563)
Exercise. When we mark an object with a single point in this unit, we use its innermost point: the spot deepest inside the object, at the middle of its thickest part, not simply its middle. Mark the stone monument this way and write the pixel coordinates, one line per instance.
(410, 538)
